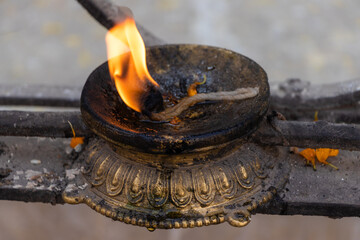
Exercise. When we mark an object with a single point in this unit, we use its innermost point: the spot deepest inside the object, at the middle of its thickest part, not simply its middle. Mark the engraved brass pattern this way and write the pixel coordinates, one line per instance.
(224, 180)
(180, 189)
(227, 189)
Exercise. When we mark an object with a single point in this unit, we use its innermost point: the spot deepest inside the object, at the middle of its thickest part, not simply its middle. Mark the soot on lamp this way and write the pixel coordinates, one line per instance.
(199, 172)
(215, 122)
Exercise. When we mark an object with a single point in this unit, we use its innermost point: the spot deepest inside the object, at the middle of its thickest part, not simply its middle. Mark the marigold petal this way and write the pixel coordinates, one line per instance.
(333, 152)
(308, 154)
(316, 116)
(76, 141)
(192, 90)
(322, 154)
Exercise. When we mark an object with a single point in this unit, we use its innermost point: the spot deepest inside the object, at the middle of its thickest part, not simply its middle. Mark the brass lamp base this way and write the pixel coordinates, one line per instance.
(226, 189)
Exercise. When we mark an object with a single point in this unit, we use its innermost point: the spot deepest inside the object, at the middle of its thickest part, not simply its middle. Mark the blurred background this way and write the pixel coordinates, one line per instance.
(55, 42)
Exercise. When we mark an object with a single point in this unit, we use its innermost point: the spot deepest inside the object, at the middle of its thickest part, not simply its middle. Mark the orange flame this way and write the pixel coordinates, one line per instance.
(127, 63)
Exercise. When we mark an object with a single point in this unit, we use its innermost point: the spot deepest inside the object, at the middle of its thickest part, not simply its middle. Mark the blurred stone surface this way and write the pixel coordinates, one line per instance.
(55, 42)
(43, 221)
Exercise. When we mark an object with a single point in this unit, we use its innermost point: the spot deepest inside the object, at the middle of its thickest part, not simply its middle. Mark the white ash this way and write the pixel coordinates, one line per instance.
(82, 187)
(78, 148)
(71, 173)
(35, 161)
(31, 173)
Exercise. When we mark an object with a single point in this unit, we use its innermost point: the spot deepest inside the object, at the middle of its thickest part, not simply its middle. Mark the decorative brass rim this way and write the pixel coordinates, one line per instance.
(227, 189)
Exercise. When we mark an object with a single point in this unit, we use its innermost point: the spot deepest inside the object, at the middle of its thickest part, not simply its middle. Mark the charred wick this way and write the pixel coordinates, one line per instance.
(152, 101)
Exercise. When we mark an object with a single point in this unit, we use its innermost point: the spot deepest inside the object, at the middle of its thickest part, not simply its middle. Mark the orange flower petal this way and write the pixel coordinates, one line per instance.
(192, 90)
(309, 155)
(316, 116)
(333, 152)
(76, 141)
(322, 154)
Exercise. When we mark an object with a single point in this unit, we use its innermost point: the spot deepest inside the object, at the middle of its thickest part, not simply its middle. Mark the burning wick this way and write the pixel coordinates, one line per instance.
(127, 67)
(139, 91)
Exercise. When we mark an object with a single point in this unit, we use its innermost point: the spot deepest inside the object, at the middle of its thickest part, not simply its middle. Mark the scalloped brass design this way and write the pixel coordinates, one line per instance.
(224, 180)
(116, 178)
(180, 189)
(194, 195)
(204, 186)
(158, 189)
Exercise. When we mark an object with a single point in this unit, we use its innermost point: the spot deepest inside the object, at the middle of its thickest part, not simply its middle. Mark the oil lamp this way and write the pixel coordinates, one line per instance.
(199, 171)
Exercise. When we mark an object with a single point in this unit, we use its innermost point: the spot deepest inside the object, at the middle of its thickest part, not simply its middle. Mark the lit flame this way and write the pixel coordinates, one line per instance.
(127, 63)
